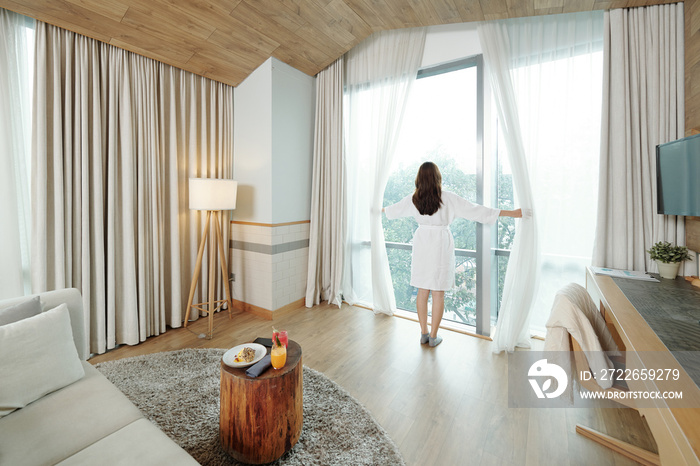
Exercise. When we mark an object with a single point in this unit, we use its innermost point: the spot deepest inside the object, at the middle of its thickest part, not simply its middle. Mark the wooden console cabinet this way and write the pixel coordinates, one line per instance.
(675, 429)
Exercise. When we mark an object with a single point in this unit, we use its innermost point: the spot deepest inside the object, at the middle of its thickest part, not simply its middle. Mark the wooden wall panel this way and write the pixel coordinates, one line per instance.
(425, 11)
(692, 98)
(692, 65)
(446, 11)
(584, 5)
(113, 9)
(470, 10)
(226, 40)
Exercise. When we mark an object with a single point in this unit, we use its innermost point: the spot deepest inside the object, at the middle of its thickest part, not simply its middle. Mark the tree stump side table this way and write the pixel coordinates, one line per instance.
(261, 418)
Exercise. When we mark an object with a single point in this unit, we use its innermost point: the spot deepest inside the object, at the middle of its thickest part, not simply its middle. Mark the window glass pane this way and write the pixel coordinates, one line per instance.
(440, 121)
(460, 302)
(506, 225)
(440, 125)
(505, 231)
(502, 265)
(399, 264)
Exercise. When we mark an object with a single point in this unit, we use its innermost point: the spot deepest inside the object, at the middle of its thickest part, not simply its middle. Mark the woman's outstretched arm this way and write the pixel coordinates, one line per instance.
(517, 213)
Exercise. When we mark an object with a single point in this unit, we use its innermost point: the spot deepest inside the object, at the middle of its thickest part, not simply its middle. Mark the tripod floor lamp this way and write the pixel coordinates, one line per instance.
(212, 195)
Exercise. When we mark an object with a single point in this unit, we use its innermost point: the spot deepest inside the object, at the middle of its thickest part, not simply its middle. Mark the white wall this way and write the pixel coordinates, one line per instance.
(293, 104)
(450, 42)
(252, 146)
(273, 144)
(273, 153)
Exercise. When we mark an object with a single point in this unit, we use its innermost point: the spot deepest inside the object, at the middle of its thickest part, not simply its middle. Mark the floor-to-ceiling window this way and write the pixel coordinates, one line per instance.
(446, 123)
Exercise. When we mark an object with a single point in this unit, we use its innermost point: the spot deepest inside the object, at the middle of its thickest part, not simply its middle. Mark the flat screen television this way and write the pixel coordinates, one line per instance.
(678, 177)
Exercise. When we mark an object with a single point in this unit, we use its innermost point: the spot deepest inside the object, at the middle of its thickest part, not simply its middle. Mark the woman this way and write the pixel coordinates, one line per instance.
(433, 261)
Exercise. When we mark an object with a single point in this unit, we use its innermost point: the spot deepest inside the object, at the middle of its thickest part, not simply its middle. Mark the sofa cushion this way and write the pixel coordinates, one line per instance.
(38, 357)
(146, 445)
(65, 422)
(74, 300)
(22, 310)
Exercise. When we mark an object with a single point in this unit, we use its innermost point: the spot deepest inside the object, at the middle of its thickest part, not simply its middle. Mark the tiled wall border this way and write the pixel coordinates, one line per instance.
(276, 284)
(270, 249)
(256, 224)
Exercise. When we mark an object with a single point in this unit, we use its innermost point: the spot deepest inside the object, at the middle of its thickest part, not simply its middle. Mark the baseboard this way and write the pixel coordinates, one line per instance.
(253, 309)
(266, 313)
(445, 324)
(284, 310)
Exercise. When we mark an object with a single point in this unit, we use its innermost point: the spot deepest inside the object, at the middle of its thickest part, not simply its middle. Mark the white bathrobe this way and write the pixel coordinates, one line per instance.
(433, 262)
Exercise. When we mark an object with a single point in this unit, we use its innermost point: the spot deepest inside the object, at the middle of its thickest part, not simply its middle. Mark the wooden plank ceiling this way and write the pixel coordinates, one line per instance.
(226, 40)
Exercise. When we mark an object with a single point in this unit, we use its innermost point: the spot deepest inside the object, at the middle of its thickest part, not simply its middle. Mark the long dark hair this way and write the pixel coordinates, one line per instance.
(428, 194)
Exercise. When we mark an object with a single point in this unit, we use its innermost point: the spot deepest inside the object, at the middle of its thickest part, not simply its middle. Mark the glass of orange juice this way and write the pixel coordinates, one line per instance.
(278, 354)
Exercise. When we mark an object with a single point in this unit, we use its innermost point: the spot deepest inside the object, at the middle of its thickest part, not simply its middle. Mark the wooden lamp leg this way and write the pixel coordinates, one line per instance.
(214, 251)
(212, 281)
(197, 267)
(224, 267)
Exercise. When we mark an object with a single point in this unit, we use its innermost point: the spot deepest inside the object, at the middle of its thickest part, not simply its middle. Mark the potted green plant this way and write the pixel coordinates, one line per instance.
(668, 258)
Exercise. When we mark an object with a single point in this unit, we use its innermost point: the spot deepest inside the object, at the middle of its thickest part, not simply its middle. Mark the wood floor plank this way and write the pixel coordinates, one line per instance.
(580, 447)
(444, 406)
(507, 434)
(547, 427)
(471, 415)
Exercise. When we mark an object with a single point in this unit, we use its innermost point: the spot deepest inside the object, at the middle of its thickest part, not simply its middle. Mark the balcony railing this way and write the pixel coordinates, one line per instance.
(460, 303)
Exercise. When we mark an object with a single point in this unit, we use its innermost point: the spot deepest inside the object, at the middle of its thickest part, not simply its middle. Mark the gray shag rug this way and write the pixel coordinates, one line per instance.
(179, 392)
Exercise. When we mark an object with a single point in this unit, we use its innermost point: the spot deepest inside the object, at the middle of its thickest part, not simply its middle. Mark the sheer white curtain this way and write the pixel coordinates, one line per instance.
(328, 219)
(16, 56)
(117, 136)
(643, 106)
(379, 75)
(546, 75)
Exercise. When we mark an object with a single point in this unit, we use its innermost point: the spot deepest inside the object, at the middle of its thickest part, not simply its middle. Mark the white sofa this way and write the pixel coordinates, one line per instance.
(88, 421)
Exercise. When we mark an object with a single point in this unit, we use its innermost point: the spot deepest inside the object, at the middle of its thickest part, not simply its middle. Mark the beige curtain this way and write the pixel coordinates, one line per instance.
(328, 216)
(643, 105)
(116, 138)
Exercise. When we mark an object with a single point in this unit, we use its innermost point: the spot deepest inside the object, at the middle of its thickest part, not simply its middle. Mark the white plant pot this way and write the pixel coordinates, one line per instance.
(668, 269)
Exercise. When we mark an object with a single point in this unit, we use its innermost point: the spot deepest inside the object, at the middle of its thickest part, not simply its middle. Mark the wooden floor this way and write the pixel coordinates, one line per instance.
(444, 406)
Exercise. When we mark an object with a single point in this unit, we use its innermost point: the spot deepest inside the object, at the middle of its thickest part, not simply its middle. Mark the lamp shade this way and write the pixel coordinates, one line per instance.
(212, 194)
